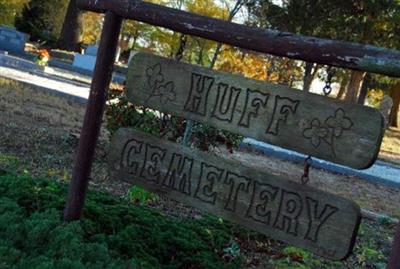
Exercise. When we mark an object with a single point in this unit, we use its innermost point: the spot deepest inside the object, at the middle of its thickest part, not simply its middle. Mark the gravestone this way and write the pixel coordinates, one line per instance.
(12, 40)
(131, 54)
(20, 64)
(385, 108)
(86, 61)
(92, 50)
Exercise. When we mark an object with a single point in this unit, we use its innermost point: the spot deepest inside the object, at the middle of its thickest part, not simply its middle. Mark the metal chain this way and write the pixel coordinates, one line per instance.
(328, 86)
(178, 57)
(307, 164)
(182, 46)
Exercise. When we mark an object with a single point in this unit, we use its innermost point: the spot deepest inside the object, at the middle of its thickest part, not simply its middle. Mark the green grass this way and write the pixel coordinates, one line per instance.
(112, 233)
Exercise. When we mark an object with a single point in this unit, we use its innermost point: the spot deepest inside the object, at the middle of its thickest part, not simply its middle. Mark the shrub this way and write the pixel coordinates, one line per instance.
(42, 19)
(9, 9)
(111, 234)
(121, 113)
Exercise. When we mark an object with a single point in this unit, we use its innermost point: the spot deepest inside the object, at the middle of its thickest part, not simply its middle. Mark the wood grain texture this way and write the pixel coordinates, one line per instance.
(326, 128)
(284, 44)
(282, 209)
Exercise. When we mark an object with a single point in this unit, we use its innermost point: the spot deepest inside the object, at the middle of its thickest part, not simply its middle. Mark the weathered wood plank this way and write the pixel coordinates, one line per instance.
(343, 133)
(285, 210)
(306, 48)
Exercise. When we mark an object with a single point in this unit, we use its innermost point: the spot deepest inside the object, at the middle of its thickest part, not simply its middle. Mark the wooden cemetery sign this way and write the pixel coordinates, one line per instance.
(322, 127)
(294, 213)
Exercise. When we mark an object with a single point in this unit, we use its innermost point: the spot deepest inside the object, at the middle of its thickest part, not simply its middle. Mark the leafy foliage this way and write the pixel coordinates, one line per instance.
(140, 195)
(111, 234)
(121, 113)
(9, 10)
(365, 21)
(91, 29)
(42, 19)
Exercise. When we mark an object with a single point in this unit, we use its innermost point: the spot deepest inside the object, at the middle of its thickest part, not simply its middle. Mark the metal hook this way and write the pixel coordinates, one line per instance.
(307, 164)
(328, 85)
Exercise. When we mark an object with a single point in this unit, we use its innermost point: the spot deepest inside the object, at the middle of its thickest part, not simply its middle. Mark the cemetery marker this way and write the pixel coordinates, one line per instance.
(322, 127)
(12, 40)
(311, 49)
(282, 209)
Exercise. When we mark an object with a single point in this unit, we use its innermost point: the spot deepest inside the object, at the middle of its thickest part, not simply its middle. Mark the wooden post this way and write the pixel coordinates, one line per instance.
(93, 117)
(394, 261)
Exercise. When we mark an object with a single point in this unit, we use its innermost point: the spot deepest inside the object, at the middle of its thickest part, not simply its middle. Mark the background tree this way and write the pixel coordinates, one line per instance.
(395, 94)
(363, 21)
(92, 23)
(42, 19)
(10, 9)
(70, 37)
(304, 17)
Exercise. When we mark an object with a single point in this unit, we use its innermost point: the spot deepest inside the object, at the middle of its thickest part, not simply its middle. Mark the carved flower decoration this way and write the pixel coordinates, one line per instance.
(339, 122)
(154, 75)
(316, 132)
(158, 88)
(166, 93)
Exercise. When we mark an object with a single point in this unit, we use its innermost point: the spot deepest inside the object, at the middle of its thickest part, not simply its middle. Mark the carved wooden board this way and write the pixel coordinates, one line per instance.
(322, 127)
(285, 210)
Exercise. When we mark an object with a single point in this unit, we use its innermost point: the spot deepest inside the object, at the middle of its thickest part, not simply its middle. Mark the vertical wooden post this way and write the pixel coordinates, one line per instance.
(93, 117)
(394, 261)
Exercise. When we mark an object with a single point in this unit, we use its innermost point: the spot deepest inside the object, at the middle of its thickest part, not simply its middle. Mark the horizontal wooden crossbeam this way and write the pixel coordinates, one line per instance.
(317, 50)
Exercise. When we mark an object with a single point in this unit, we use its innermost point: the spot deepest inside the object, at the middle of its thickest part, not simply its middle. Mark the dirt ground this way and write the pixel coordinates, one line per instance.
(390, 150)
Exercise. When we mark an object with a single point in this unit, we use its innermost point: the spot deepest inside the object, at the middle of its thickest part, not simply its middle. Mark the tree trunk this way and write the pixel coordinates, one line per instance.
(70, 37)
(118, 55)
(395, 94)
(215, 56)
(353, 88)
(307, 77)
(285, 77)
(135, 38)
(364, 89)
(343, 85)
(200, 56)
(270, 69)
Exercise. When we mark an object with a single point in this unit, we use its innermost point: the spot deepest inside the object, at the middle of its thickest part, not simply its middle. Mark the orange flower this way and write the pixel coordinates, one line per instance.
(43, 53)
